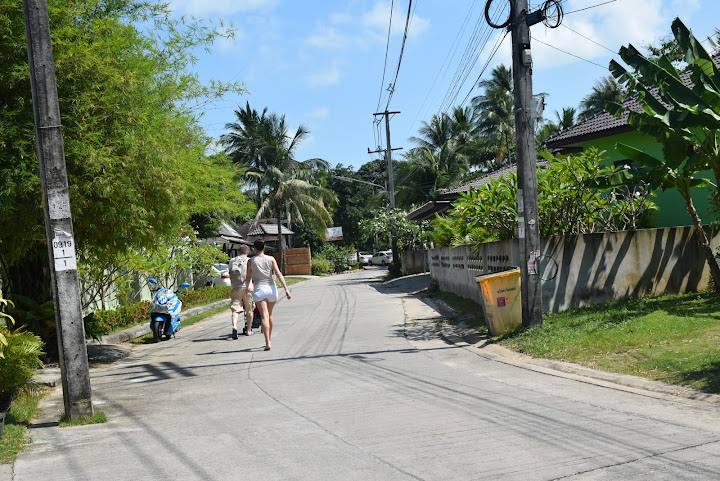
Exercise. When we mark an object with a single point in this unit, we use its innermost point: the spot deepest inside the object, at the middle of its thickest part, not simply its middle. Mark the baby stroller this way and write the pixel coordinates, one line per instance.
(256, 322)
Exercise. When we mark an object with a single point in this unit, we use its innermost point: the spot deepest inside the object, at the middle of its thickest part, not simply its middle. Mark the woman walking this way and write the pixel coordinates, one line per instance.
(260, 269)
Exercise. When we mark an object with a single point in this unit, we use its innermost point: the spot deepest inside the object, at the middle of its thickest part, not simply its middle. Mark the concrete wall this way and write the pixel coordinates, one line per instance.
(414, 262)
(586, 269)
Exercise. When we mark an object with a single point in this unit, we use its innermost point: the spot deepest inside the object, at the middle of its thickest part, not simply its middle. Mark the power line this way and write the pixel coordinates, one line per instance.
(387, 47)
(477, 44)
(492, 54)
(571, 54)
(588, 38)
(448, 56)
(591, 6)
(402, 50)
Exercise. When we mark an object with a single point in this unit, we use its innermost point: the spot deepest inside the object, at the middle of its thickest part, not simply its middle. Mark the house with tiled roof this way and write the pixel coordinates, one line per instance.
(264, 230)
(604, 131)
(445, 199)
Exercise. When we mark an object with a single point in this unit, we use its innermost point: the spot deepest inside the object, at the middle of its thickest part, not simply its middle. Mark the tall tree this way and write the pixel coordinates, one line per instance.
(496, 113)
(287, 183)
(128, 101)
(605, 90)
(562, 121)
(244, 143)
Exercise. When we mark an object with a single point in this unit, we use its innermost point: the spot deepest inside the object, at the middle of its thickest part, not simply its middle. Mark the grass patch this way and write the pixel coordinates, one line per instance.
(22, 411)
(290, 281)
(670, 338)
(98, 417)
(476, 319)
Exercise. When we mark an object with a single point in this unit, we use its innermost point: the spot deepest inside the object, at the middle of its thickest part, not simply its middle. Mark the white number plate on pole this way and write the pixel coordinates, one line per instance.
(64, 253)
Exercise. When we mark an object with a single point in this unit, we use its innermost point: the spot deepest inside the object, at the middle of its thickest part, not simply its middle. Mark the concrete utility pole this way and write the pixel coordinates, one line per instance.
(528, 226)
(58, 220)
(391, 183)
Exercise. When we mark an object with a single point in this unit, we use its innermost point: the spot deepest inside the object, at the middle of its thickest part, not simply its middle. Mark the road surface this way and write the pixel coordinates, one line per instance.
(358, 386)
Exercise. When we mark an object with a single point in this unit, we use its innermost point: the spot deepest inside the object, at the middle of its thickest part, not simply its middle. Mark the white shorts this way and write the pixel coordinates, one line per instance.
(265, 292)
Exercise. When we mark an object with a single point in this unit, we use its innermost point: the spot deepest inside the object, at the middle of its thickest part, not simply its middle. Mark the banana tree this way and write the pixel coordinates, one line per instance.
(682, 112)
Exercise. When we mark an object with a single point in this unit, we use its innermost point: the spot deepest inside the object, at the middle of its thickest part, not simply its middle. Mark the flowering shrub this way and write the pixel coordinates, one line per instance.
(205, 295)
(100, 323)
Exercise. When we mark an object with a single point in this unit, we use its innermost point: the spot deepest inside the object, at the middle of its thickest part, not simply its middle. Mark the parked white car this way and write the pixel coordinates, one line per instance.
(365, 258)
(220, 275)
(382, 258)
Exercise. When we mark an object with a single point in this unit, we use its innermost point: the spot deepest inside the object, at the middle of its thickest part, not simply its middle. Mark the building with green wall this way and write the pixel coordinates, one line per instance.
(604, 131)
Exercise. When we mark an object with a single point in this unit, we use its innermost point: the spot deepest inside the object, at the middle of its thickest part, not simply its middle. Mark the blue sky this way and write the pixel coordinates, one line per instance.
(320, 63)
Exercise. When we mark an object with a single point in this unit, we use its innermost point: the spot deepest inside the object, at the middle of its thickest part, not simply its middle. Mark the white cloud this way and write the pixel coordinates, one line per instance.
(379, 17)
(357, 31)
(590, 33)
(318, 113)
(324, 78)
(328, 38)
(222, 7)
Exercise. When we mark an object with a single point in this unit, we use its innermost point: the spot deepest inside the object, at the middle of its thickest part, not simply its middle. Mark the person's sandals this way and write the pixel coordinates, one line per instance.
(250, 333)
(267, 348)
(234, 334)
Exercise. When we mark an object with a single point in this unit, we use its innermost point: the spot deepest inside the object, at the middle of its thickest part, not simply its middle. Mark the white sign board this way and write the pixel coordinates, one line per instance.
(333, 234)
(64, 253)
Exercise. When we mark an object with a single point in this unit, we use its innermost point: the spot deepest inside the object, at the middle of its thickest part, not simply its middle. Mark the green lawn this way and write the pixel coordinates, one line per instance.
(23, 410)
(670, 338)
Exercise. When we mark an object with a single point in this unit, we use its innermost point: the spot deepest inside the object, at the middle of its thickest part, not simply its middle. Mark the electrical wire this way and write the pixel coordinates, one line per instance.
(588, 38)
(387, 47)
(591, 6)
(571, 54)
(448, 56)
(492, 54)
(478, 42)
(402, 50)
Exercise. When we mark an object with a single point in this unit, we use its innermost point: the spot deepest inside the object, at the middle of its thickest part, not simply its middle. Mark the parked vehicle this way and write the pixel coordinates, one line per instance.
(220, 275)
(382, 258)
(365, 258)
(165, 310)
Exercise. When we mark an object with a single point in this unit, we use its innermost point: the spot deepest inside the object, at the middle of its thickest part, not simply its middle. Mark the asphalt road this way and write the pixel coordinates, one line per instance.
(358, 386)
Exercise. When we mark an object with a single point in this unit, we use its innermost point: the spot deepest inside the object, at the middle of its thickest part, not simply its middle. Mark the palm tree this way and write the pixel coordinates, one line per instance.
(605, 90)
(496, 110)
(562, 121)
(243, 143)
(287, 182)
(464, 125)
(435, 134)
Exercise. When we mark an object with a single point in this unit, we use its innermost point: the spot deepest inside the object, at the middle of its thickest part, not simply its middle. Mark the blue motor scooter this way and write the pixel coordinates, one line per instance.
(165, 311)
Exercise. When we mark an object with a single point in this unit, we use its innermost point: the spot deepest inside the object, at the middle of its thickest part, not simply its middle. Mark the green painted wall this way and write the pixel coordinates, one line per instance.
(672, 209)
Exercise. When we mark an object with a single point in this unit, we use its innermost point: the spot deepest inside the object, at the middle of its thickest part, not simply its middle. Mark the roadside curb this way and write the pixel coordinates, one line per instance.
(456, 335)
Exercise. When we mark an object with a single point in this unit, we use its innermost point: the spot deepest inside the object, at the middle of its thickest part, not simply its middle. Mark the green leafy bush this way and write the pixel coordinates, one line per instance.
(206, 295)
(322, 266)
(21, 360)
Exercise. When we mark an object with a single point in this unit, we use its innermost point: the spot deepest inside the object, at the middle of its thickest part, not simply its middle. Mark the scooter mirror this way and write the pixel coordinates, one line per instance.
(184, 285)
(152, 281)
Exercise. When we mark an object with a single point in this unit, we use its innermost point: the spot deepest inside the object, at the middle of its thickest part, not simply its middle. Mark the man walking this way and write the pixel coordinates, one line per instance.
(238, 291)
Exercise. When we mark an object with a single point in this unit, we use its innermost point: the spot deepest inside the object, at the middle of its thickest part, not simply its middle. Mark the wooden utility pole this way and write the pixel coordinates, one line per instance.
(58, 220)
(528, 226)
(391, 184)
